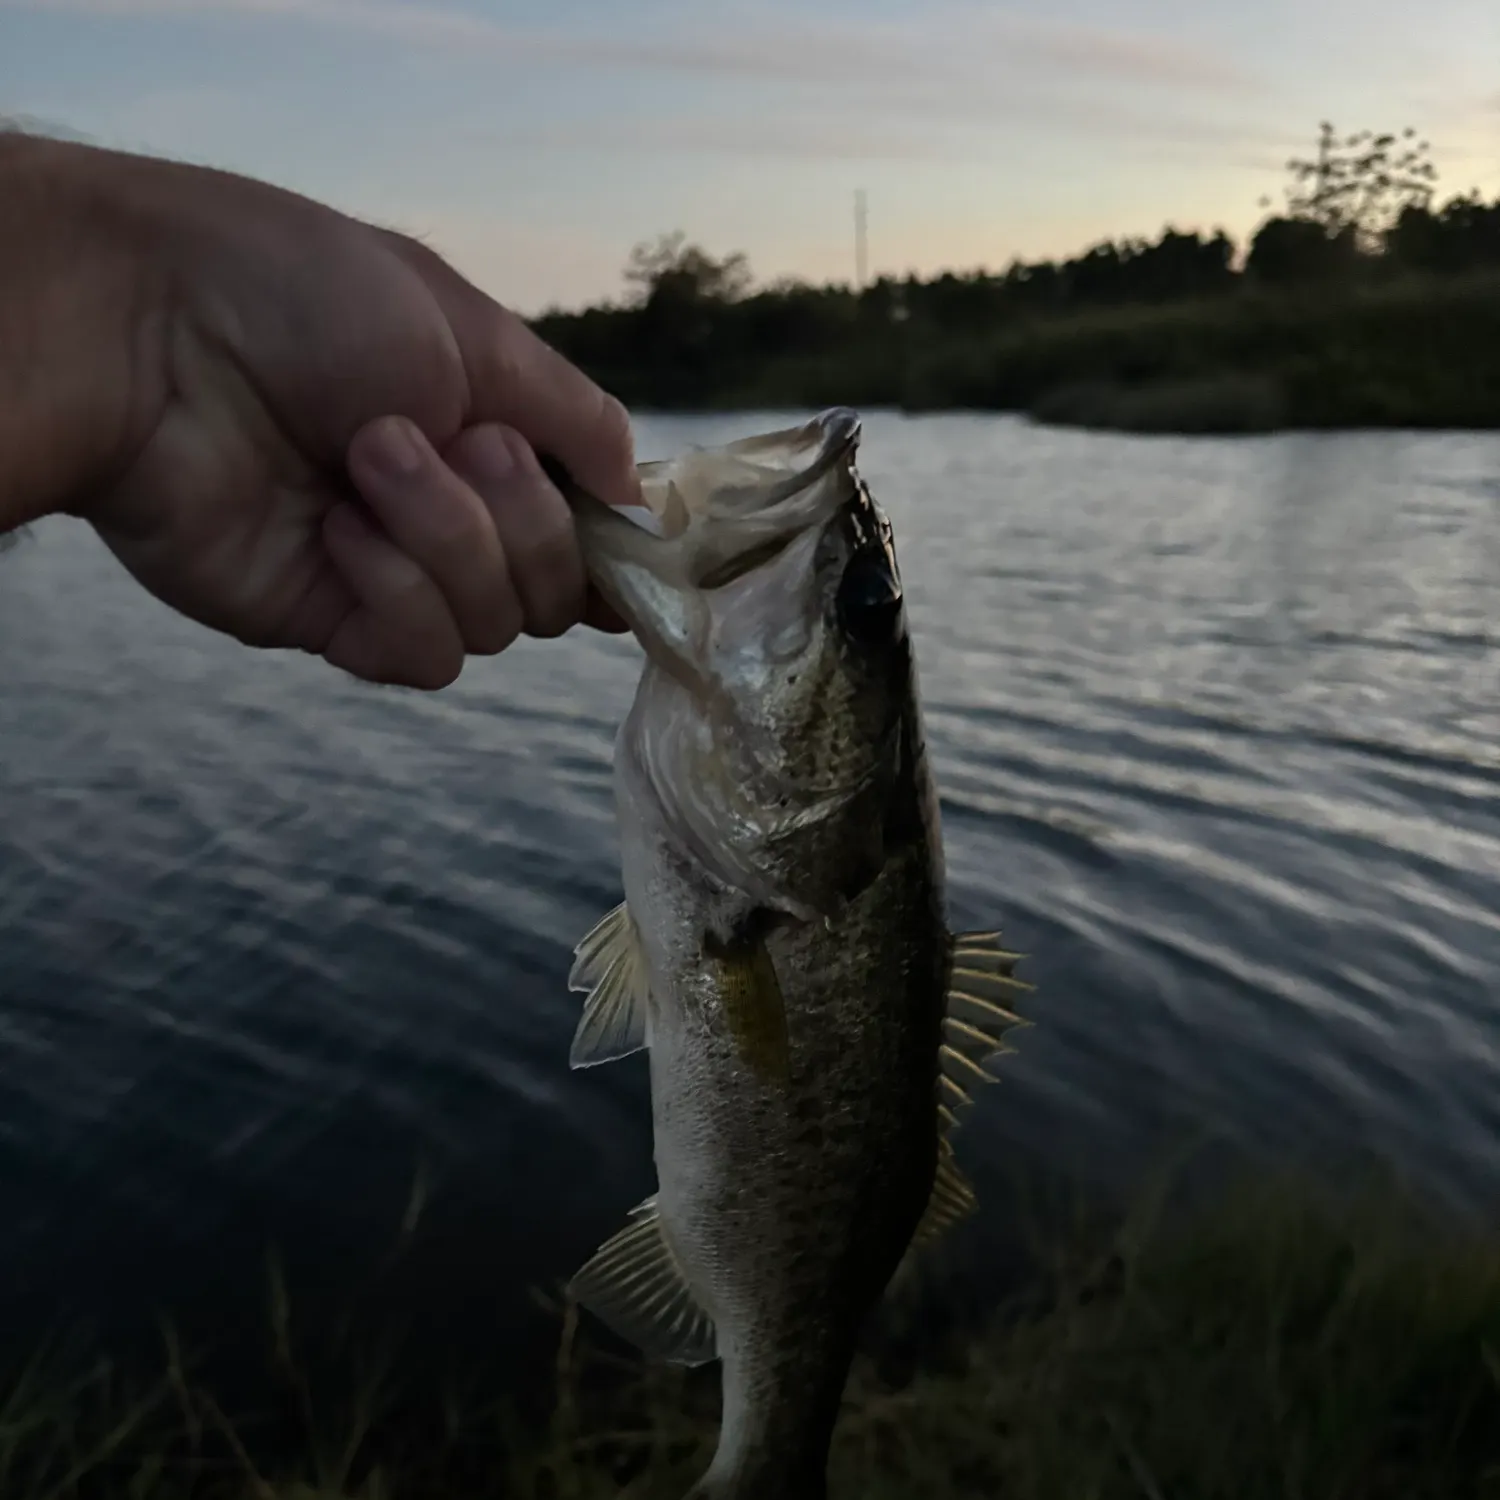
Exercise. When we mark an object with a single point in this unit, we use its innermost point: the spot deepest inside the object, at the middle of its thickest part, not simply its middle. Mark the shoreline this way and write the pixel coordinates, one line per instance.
(1408, 353)
(794, 412)
(1274, 1341)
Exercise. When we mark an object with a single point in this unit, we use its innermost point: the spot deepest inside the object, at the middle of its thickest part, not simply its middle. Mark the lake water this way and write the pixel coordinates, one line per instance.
(1215, 725)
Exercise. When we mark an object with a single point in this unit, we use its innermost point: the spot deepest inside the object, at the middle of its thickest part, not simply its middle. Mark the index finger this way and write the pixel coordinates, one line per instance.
(519, 380)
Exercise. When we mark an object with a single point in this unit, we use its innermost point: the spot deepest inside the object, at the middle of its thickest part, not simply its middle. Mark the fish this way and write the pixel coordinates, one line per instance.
(814, 1029)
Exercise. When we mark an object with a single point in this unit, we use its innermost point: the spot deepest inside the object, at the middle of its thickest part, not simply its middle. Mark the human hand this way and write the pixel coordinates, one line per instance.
(331, 436)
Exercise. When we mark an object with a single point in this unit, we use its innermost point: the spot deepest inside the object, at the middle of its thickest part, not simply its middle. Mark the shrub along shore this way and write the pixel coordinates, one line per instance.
(1418, 353)
(1271, 1345)
(1363, 307)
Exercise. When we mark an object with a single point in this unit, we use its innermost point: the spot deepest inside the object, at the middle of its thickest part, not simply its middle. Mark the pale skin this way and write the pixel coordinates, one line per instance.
(298, 429)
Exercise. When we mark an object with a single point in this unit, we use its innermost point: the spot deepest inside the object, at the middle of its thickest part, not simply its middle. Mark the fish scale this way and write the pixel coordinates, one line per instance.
(782, 953)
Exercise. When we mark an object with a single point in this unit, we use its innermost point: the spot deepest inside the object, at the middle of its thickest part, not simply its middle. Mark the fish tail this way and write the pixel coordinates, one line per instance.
(772, 1450)
(747, 1484)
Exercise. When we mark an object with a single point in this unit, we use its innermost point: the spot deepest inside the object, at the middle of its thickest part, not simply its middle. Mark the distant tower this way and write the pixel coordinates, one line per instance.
(861, 249)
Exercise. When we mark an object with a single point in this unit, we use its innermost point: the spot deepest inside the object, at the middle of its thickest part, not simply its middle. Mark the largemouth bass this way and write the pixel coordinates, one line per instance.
(782, 949)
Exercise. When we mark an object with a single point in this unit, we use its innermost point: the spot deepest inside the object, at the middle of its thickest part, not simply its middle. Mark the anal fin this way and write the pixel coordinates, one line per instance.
(635, 1285)
(610, 966)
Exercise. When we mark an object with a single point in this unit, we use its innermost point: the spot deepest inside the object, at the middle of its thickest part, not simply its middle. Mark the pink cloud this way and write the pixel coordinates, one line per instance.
(956, 43)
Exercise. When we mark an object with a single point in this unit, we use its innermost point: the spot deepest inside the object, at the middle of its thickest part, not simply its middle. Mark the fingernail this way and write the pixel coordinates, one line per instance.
(489, 455)
(394, 447)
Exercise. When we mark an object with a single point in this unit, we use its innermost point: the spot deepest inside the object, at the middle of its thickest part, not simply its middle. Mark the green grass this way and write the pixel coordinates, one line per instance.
(1270, 1346)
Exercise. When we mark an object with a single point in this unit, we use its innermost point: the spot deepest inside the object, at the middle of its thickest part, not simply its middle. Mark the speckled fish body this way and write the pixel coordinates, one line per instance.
(782, 950)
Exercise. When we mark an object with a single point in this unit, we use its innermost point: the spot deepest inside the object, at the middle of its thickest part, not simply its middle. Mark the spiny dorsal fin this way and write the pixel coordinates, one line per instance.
(981, 987)
(952, 1202)
(635, 1285)
(610, 966)
(981, 984)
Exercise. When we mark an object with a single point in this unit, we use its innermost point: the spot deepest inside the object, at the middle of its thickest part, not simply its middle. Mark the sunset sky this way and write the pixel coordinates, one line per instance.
(536, 141)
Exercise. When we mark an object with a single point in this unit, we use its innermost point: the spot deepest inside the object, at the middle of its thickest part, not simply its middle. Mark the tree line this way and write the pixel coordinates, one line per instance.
(693, 330)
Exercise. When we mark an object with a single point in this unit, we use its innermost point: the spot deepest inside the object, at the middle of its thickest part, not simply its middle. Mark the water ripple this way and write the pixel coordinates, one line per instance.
(1215, 729)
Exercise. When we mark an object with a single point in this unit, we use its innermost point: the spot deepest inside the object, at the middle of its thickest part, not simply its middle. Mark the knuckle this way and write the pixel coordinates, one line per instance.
(507, 350)
(421, 635)
(407, 593)
(496, 627)
(436, 667)
(523, 457)
(420, 258)
(554, 585)
(615, 438)
(460, 531)
(415, 252)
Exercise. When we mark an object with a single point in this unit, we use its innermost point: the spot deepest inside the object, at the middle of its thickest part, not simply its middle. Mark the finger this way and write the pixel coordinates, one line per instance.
(598, 614)
(534, 522)
(442, 525)
(400, 630)
(517, 379)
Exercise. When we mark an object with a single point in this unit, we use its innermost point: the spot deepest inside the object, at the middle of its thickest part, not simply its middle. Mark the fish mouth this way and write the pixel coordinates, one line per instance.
(754, 481)
(711, 517)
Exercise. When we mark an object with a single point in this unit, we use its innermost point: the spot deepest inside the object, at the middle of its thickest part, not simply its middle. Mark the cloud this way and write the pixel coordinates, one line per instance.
(935, 84)
(959, 43)
(956, 80)
(421, 25)
(914, 120)
(36, 125)
(527, 266)
(894, 140)
(1128, 56)
(792, 137)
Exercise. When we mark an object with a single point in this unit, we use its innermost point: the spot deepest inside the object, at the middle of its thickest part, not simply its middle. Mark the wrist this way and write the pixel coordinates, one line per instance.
(81, 320)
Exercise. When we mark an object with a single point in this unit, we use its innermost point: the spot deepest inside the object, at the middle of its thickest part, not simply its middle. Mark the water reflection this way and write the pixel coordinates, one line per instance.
(1215, 725)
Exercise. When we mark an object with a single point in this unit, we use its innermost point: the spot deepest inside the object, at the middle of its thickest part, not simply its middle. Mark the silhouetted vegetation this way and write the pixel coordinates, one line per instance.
(1360, 304)
(1272, 1345)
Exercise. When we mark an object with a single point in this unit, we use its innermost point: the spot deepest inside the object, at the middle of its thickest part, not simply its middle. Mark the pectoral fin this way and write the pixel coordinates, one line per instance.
(635, 1285)
(610, 966)
(754, 1008)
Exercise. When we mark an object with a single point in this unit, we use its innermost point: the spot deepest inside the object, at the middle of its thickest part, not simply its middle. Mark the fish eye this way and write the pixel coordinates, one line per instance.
(869, 598)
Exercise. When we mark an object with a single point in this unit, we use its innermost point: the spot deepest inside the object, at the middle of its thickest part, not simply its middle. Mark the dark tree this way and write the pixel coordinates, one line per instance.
(686, 272)
(1361, 183)
(1464, 235)
(1289, 252)
(695, 333)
